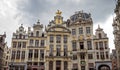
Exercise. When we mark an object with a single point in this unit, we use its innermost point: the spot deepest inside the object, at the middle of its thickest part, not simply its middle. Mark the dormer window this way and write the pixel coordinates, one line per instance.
(37, 33)
(99, 35)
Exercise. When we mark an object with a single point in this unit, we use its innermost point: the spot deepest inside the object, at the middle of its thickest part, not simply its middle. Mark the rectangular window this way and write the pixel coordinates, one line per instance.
(36, 43)
(23, 55)
(65, 65)
(102, 55)
(42, 43)
(35, 63)
(106, 45)
(107, 57)
(31, 42)
(83, 68)
(88, 30)
(91, 66)
(36, 53)
(82, 55)
(90, 56)
(58, 47)
(73, 31)
(81, 45)
(97, 54)
(19, 44)
(14, 44)
(58, 39)
(75, 66)
(30, 55)
(24, 44)
(81, 30)
(18, 55)
(96, 44)
(89, 44)
(51, 38)
(13, 54)
(74, 46)
(74, 57)
(51, 50)
(65, 50)
(41, 54)
(65, 38)
(101, 45)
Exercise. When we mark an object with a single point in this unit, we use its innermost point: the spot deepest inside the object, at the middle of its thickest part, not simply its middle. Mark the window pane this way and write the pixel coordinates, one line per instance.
(31, 42)
(36, 43)
(24, 44)
(42, 43)
(36, 53)
(81, 30)
(101, 45)
(51, 50)
(89, 45)
(30, 54)
(81, 45)
(90, 56)
(58, 39)
(65, 38)
(58, 47)
(51, 39)
(73, 31)
(74, 46)
(14, 44)
(88, 30)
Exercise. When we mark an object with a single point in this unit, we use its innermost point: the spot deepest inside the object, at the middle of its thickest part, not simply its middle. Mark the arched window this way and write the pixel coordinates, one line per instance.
(99, 35)
(37, 33)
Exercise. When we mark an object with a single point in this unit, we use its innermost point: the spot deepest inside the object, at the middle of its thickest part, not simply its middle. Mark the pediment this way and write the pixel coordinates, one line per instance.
(58, 28)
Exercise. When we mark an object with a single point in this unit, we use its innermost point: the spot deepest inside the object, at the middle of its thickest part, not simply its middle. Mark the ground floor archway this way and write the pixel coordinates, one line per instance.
(103, 67)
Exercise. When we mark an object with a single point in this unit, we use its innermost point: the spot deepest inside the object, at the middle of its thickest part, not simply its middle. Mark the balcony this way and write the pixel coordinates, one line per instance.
(82, 51)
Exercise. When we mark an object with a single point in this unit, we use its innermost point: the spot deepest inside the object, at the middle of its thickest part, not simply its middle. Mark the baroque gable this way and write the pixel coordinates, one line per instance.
(58, 28)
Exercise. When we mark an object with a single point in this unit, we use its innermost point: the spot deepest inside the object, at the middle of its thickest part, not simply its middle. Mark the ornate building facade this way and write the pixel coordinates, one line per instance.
(113, 57)
(116, 32)
(63, 45)
(2, 46)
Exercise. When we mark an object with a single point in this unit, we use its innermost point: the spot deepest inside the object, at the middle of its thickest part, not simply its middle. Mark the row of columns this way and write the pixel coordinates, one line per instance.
(54, 65)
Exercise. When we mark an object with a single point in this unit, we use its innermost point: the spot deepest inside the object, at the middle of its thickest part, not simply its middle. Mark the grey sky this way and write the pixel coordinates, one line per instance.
(27, 12)
(45, 9)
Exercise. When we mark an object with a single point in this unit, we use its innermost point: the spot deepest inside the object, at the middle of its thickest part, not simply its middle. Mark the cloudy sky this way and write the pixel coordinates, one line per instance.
(13, 13)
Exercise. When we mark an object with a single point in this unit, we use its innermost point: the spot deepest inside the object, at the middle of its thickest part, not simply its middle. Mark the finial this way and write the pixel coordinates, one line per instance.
(38, 22)
(98, 26)
(58, 12)
(21, 24)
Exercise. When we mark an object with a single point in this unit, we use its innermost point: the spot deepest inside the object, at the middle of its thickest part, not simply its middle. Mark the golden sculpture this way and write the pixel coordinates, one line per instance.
(58, 12)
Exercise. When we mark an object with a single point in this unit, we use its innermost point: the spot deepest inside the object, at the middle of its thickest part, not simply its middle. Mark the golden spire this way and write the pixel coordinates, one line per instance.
(58, 12)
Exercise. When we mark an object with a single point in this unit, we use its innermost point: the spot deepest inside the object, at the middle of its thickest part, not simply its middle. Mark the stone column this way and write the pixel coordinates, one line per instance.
(47, 65)
(18, 67)
(25, 67)
(62, 65)
(54, 65)
(33, 55)
(69, 65)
